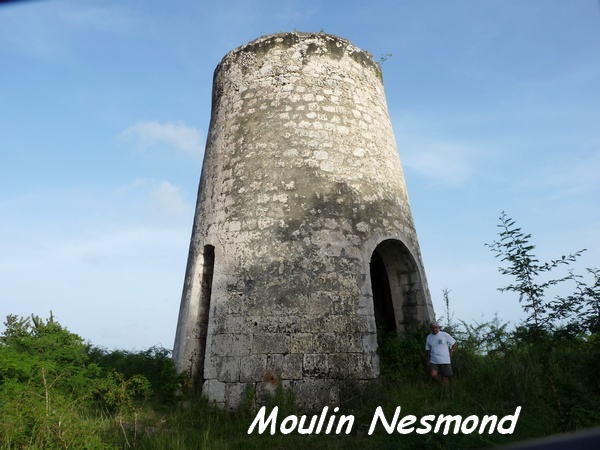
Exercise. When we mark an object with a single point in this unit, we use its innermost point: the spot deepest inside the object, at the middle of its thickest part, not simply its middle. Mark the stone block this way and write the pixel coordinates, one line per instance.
(221, 344)
(214, 390)
(292, 366)
(270, 343)
(370, 343)
(315, 366)
(229, 369)
(241, 344)
(252, 368)
(235, 394)
(311, 394)
(327, 342)
(212, 367)
(302, 343)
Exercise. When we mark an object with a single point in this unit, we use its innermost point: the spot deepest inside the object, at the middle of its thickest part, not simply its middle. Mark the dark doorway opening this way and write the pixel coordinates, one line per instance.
(385, 318)
(204, 307)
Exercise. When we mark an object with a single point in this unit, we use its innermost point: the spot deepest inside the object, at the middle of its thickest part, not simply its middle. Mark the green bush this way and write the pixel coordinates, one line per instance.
(54, 394)
(154, 364)
(56, 391)
(402, 355)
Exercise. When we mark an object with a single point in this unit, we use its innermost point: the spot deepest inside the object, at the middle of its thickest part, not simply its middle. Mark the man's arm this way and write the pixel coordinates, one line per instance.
(428, 357)
(452, 349)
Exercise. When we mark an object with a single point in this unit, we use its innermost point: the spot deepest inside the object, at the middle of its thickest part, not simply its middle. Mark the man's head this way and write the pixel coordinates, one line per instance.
(434, 327)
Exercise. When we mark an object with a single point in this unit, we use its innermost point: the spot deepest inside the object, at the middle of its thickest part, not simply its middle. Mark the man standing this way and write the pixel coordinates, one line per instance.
(440, 346)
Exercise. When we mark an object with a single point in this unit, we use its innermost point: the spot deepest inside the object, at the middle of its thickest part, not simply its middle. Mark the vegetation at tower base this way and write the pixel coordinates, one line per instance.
(90, 398)
(58, 391)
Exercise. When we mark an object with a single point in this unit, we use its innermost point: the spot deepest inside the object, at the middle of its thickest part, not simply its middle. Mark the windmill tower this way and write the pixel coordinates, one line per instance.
(303, 244)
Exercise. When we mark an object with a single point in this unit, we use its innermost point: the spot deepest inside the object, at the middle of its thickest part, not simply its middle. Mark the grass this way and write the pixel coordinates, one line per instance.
(85, 398)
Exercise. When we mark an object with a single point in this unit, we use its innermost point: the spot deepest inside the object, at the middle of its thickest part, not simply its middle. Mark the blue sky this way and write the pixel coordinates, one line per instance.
(105, 106)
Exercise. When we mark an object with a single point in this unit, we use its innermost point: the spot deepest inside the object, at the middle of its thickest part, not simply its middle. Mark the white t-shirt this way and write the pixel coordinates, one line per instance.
(439, 344)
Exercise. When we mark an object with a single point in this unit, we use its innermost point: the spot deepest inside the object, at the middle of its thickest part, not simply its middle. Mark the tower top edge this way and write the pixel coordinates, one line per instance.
(334, 45)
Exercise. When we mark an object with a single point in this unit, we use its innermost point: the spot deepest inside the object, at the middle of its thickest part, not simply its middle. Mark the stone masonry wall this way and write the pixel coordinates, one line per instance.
(301, 182)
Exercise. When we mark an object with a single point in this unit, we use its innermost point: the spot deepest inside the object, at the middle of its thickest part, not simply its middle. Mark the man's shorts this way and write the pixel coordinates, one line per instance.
(444, 369)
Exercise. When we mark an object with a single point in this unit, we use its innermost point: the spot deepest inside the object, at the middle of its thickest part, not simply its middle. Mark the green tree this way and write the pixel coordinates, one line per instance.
(33, 347)
(533, 279)
(50, 387)
(155, 364)
(46, 380)
(581, 308)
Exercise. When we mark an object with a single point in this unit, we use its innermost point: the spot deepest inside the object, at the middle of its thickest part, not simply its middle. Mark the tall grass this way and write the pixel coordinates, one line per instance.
(546, 378)
(84, 397)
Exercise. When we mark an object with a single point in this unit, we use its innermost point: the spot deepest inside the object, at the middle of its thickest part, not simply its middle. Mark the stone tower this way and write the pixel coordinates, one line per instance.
(303, 245)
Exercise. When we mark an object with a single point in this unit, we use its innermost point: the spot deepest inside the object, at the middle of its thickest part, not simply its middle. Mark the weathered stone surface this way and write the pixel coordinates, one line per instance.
(303, 243)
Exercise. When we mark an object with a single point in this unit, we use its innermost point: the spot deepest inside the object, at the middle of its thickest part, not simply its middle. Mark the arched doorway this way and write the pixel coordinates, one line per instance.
(398, 294)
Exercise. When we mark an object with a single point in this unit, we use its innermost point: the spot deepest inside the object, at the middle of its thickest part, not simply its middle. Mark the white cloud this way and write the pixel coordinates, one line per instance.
(158, 196)
(435, 146)
(139, 182)
(176, 135)
(169, 199)
(445, 164)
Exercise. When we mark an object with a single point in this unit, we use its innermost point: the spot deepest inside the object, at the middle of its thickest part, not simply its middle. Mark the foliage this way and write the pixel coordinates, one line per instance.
(154, 364)
(384, 58)
(580, 309)
(58, 391)
(34, 350)
(402, 355)
(46, 381)
(554, 380)
(485, 338)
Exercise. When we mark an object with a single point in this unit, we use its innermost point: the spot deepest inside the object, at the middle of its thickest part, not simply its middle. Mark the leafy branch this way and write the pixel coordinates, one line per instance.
(514, 248)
